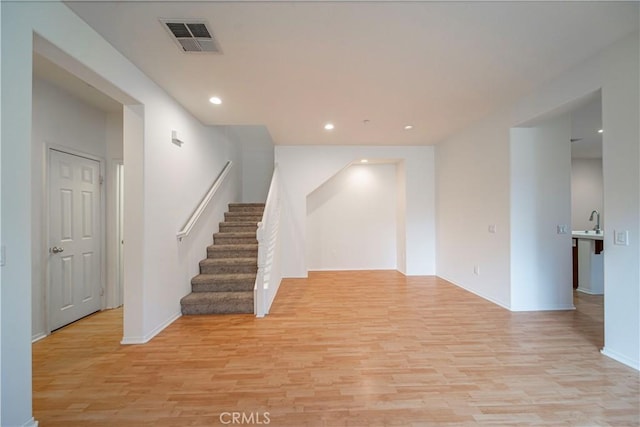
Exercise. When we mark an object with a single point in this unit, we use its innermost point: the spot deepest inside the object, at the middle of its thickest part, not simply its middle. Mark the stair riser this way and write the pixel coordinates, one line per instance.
(223, 287)
(228, 269)
(233, 219)
(248, 253)
(235, 241)
(244, 208)
(231, 228)
(246, 211)
(237, 308)
(228, 217)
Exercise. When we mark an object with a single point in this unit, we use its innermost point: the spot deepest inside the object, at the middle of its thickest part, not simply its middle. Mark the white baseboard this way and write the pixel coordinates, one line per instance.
(563, 307)
(635, 364)
(31, 423)
(322, 270)
(145, 339)
(38, 337)
(132, 340)
(584, 291)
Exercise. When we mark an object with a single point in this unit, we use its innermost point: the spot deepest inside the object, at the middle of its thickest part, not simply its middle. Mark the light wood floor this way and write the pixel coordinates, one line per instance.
(342, 349)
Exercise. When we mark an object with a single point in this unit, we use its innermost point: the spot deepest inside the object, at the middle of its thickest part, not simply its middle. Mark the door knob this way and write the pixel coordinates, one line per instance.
(56, 250)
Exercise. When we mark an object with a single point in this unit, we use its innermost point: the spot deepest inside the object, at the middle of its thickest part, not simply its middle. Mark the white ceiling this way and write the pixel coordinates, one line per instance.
(292, 66)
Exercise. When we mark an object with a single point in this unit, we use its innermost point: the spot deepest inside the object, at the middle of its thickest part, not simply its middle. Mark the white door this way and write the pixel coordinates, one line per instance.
(74, 238)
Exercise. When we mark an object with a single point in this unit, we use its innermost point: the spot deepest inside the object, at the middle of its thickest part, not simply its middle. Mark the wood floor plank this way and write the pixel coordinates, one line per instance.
(359, 348)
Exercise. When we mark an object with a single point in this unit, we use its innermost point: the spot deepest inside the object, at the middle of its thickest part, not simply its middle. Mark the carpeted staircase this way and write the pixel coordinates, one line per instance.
(228, 274)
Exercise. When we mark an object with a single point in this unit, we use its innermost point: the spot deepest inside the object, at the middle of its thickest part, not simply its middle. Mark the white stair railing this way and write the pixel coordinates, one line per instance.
(188, 226)
(269, 273)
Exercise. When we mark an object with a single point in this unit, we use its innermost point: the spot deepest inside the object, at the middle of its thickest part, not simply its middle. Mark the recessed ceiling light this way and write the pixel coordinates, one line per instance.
(215, 100)
(408, 127)
(329, 126)
(601, 130)
(364, 161)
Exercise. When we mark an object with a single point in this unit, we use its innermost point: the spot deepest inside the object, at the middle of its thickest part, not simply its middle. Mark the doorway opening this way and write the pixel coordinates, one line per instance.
(549, 156)
(73, 119)
(587, 197)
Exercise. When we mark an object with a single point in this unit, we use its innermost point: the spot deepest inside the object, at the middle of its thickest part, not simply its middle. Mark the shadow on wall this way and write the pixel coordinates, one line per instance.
(351, 220)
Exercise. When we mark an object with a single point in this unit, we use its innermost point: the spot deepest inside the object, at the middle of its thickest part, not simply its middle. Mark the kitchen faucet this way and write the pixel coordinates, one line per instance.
(597, 226)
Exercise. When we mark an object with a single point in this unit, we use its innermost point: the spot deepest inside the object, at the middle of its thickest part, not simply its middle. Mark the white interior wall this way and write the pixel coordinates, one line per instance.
(472, 176)
(1, 241)
(257, 159)
(541, 266)
(134, 214)
(351, 220)
(16, 223)
(163, 183)
(401, 215)
(587, 193)
(304, 168)
(621, 176)
(473, 170)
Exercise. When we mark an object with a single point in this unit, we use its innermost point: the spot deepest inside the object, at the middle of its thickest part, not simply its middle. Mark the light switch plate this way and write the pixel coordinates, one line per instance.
(492, 228)
(3, 255)
(562, 229)
(621, 237)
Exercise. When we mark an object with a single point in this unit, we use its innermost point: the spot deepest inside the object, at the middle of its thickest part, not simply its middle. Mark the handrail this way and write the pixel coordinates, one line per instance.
(269, 276)
(186, 229)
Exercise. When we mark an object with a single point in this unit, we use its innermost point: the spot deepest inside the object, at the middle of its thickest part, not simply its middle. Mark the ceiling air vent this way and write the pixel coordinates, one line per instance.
(192, 35)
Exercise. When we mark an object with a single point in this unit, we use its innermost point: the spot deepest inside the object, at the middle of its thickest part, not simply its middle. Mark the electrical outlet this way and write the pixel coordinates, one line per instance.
(476, 270)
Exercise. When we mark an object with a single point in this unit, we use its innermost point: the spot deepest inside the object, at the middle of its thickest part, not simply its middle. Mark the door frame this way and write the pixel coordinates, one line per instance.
(47, 215)
(119, 237)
